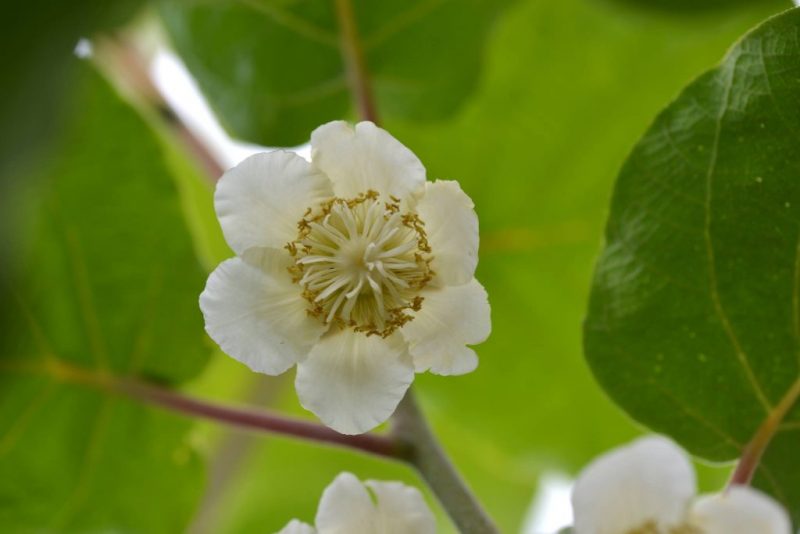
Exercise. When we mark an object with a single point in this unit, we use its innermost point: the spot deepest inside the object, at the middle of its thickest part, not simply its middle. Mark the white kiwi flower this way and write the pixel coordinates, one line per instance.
(349, 506)
(648, 487)
(353, 267)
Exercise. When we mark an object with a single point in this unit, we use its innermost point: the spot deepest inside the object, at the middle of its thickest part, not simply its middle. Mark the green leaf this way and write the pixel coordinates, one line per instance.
(273, 71)
(694, 321)
(569, 86)
(40, 37)
(689, 6)
(108, 286)
(43, 35)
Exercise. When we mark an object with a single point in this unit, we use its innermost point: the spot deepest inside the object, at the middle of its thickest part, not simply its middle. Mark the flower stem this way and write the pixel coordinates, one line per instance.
(355, 62)
(165, 397)
(427, 456)
(259, 420)
(751, 456)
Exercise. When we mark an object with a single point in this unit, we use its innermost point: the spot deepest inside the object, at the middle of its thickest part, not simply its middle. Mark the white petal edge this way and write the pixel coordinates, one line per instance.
(401, 509)
(260, 201)
(366, 158)
(354, 382)
(345, 507)
(648, 481)
(450, 318)
(740, 510)
(297, 527)
(451, 225)
(256, 314)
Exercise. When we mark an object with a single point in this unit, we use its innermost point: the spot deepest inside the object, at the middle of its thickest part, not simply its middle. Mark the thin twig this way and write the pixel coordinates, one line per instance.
(165, 397)
(262, 420)
(751, 457)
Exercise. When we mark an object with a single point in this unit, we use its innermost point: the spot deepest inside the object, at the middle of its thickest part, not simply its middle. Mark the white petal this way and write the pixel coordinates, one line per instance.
(260, 201)
(450, 318)
(297, 527)
(345, 507)
(648, 481)
(401, 509)
(452, 228)
(256, 314)
(364, 158)
(740, 510)
(353, 382)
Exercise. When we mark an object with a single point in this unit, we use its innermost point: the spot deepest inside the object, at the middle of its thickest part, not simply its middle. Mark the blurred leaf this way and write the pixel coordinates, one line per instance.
(110, 286)
(689, 6)
(693, 325)
(38, 38)
(197, 199)
(273, 71)
(569, 86)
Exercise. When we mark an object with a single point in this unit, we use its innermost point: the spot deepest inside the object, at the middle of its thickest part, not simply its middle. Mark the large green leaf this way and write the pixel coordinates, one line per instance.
(537, 148)
(694, 321)
(273, 71)
(108, 286)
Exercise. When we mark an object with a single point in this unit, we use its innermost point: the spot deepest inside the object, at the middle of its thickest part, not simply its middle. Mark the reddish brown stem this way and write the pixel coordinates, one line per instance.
(751, 456)
(259, 420)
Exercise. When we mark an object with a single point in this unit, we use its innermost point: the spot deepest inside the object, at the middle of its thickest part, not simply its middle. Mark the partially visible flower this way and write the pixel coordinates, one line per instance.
(648, 487)
(348, 506)
(353, 267)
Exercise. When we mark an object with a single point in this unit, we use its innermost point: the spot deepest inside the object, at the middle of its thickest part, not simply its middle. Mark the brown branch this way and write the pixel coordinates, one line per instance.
(164, 397)
(262, 420)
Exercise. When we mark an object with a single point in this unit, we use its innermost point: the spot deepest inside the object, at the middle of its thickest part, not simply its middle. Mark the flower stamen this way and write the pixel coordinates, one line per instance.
(362, 263)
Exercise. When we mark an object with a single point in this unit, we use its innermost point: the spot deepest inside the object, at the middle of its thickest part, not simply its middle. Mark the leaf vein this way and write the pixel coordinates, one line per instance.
(17, 428)
(93, 449)
(709, 246)
(298, 25)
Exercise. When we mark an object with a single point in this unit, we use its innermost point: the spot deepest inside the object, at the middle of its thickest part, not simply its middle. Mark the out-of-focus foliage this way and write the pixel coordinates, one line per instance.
(569, 86)
(108, 287)
(38, 38)
(689, 6)
(694, 325)
(273, 69)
